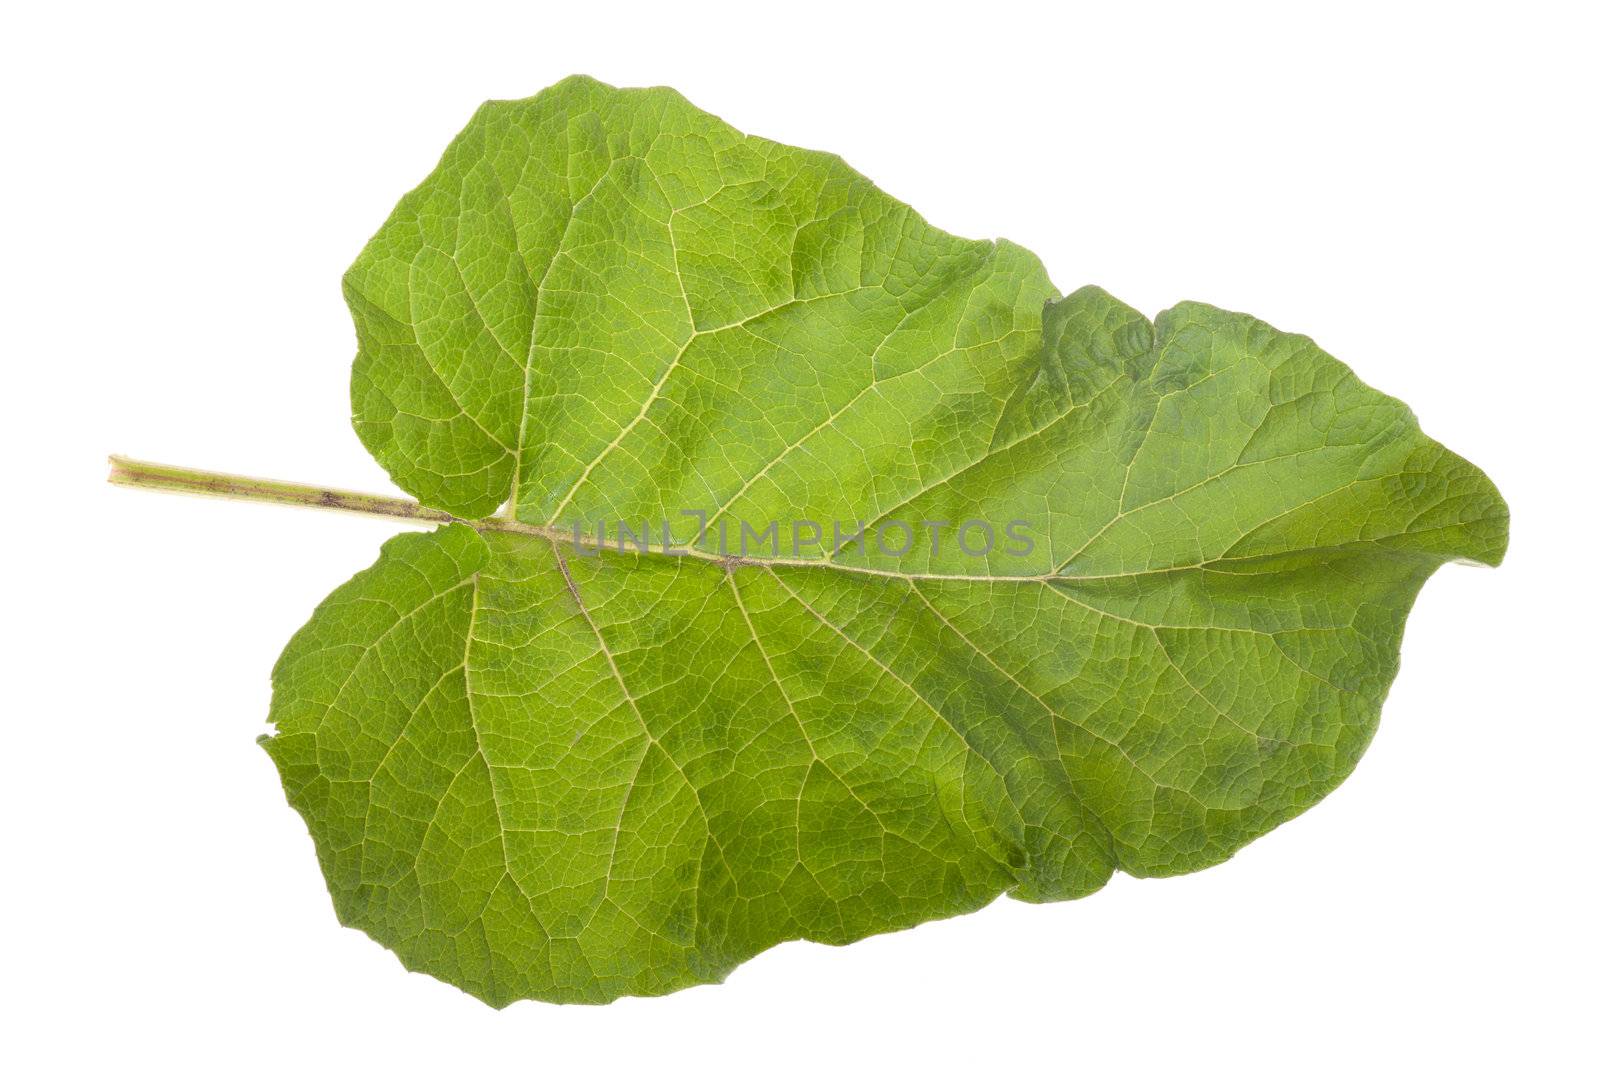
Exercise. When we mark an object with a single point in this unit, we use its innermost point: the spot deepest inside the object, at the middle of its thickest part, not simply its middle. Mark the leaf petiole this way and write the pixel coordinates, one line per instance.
(142, 474)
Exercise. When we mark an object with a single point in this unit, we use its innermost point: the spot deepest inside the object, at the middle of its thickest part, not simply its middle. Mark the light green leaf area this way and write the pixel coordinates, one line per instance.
(536, 772)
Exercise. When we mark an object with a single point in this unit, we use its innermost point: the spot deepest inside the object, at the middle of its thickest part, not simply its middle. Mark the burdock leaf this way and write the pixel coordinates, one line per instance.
(538, 767)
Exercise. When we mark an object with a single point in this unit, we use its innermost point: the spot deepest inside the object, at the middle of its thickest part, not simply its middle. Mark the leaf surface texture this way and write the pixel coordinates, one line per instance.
(535, 772)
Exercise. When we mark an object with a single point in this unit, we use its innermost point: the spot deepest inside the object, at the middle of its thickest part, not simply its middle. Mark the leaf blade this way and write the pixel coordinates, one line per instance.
(535, 773)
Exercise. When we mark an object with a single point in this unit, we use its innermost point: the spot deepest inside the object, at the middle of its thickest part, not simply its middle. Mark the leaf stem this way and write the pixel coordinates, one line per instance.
(163, 477)
(142, 474)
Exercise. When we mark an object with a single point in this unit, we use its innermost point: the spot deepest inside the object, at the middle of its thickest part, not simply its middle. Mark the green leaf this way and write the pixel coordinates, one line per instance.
(534, 771)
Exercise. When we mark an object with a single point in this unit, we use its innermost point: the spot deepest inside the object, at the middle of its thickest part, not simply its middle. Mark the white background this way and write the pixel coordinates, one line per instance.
(1415, 187)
